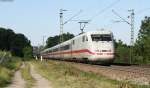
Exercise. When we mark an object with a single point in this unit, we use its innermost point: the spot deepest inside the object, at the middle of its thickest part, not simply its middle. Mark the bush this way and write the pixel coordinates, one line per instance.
(5, 76)
(7, 67)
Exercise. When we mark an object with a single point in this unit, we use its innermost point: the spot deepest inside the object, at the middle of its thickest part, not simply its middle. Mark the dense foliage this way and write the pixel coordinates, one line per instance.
(11, 41)
(52, 41)
(8, 65)
(122, 54)
(27, 51)
(142, 45)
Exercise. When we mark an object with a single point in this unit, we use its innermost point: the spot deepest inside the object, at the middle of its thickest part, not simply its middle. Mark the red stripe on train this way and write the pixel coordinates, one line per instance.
(79, 51)
(73, 52)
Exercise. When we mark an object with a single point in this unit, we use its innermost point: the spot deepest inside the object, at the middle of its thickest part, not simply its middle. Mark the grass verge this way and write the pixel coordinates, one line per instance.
(7, 70)
(63, 75)
(27, 75)
(5, 76)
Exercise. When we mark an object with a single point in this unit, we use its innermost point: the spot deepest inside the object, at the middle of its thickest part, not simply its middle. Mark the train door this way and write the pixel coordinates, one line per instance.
(71, 49)
(61, 55)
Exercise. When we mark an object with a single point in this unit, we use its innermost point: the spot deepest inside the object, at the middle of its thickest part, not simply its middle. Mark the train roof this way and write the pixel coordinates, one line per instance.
(102, 31)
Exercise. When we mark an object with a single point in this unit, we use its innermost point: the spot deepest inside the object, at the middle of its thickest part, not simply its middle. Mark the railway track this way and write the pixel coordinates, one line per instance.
(133, 69)
(134, 74)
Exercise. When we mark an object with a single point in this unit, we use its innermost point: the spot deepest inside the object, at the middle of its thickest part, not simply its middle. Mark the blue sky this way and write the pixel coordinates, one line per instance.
(38, 18)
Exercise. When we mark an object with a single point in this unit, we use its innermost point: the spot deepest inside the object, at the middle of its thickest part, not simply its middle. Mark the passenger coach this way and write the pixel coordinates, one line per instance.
(96, 46)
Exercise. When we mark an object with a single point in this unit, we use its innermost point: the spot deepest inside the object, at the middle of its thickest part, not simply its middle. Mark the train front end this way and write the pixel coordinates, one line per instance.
(102, 46)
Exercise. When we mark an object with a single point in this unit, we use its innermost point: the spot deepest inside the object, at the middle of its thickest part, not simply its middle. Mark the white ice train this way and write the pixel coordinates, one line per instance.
(96, 46)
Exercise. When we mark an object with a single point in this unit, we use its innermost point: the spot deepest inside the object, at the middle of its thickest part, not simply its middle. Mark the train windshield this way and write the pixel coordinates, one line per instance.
(101, 37)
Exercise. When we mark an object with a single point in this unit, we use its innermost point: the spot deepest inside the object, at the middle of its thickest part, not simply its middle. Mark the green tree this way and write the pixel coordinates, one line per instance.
(6, 36)
(52, 41)
(18, 44)
(122, 52)
(27, 51)
(142, 46)
(10, 41)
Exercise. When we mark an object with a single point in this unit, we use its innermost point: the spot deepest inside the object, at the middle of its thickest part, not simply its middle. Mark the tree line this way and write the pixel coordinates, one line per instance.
(142, 45)
(17, 43)
(52, 41)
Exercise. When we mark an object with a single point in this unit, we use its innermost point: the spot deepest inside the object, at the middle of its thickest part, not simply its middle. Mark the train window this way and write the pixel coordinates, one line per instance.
(73, 42)
(66, 47)
(102, 37)
(86, 38)
(83, 38)
(61, 48)
(55, 50)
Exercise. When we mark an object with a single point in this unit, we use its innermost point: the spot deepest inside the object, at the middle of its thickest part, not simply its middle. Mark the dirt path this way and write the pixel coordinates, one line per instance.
(18, 81)
(40, 81)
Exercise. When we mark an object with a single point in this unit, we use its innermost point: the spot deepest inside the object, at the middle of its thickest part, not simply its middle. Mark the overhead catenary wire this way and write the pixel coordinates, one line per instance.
(120, 17)
(72, 17)
(105, 9)
(132, 30)
(92, 18)
(63, 23)
(100, 12)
